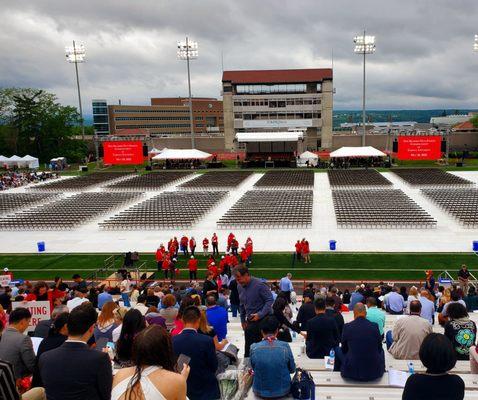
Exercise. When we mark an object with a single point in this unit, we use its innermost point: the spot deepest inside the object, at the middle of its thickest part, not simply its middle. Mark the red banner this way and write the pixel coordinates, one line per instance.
(419, 147)
(123, 152)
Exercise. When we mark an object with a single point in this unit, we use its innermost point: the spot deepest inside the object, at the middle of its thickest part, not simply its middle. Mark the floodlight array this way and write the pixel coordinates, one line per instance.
(364, 44)
(76, 53)
(187, 50)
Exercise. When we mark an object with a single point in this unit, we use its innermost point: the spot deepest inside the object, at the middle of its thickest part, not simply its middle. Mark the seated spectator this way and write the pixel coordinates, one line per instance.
(306, 311)
(178, 322)
(152, 375)
(6, 299)
(15, 347)
(151, 298)
(471, 299)
(283, 313)
(309, 291)
(141, 305)
(428, 306)
(217, 317)
(8, 385)
(413, 295)
(86, 373)
(272, 362)
(57, 335)
(374, 314)
(455, 298)
(460, 330)
(394, 303)
(78, 282)
(118, 314)
(80, 298)
(103, 297)
(361, 356)
(201, 383)
(346, 297)
(337, 300)
(169, 312)
(43, 327)
(356, 297)
(330, 312)
(437, 355)
(404, 342)
(106, 322)
(322, 332)
(133, 323)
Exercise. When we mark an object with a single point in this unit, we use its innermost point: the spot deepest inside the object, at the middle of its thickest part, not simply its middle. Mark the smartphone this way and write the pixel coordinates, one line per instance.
(110, 345)
(182, 359)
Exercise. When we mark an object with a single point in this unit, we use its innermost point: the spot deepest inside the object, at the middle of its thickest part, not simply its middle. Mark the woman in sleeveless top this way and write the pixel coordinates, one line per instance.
(153, 375)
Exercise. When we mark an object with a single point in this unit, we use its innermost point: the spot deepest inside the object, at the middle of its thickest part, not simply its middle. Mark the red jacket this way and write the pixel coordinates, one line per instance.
(159, 255)
(184, 241)
(229, 239)
(193, 264)
(214, 239)
(298, 247)
(192, 243)
(210, 261)
(214, 270)
(249, 249)
(305, 248)
(205, 242)
(222, 265)
(243, 255)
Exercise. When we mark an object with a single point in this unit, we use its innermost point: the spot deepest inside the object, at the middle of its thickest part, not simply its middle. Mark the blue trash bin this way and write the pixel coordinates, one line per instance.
(475, 246)
(41, 247)
(332, 244)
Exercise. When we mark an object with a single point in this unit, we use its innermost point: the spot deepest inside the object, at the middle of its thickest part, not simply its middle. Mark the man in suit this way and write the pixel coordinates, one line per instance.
(202, 383)
(17, 348)
(361, 356)
(73, 370)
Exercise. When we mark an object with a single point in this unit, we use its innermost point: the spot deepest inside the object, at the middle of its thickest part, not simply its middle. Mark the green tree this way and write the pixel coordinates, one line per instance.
(474, 120)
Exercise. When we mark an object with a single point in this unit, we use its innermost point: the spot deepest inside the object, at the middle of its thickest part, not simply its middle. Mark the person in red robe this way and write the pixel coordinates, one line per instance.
(243, 256)
(212, 267)
(229, 241)
(305, 251)
(205, 246)
(159, 257)
(222, 264)
(176, 247)
(184, 245)
(166, 264)
(193, 269)
(192, 245)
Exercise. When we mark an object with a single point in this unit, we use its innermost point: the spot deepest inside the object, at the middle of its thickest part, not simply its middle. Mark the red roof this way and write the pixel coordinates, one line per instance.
(277, 76)
(464, 126)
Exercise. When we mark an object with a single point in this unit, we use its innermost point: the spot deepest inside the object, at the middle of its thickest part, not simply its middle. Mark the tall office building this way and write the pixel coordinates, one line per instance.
(279, 100)
(100, 117)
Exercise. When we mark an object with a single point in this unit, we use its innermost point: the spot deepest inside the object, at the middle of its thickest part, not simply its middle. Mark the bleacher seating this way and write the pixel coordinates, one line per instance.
(148, 182)
(462, 204)
(379, 208)
(356, 178)
(66, 213)
(167, 210)
(216, 181)
(430, 177)
(79, 183)
(10, 202)
(286, 180)
(265, 209)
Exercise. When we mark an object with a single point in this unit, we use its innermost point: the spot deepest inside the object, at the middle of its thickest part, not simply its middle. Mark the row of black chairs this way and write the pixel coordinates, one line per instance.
(286, 180)
(149, 182)
(266, 209)
(67, 213)
(379, 208)
(462, 204)
(79, 183)
(10, 202)
(430, 177)
(168, 210)
(216, 180)
(356, 178)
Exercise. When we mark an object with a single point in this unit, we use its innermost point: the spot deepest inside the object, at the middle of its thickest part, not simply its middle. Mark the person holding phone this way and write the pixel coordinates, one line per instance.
(153, 375)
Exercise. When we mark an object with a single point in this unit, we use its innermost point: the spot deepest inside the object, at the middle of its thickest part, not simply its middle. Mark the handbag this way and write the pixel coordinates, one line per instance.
(302, 385)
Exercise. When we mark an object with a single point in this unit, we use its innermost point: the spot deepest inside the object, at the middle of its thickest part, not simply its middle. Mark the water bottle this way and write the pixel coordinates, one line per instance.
(411, 368)
(294, 335)
(332, 357)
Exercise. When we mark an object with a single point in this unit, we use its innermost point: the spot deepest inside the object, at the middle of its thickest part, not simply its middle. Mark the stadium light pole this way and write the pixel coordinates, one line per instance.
(188, 50)
(76, 54)
(475, 46)
(364, 45)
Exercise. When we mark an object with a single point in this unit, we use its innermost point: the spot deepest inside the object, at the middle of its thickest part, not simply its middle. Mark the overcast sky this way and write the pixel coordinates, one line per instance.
(424, 56)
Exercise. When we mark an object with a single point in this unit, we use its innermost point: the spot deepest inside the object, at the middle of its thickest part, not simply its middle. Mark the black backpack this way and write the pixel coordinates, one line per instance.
(302, 386)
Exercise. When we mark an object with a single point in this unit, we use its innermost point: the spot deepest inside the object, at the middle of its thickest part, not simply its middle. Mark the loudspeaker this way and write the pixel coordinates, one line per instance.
(148, 168)
(145, 150)
(101, 153)
(84, 168)
(443, 146)
(395, 146)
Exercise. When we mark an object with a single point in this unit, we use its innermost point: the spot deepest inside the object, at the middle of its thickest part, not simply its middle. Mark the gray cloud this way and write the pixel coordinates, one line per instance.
(423, 59)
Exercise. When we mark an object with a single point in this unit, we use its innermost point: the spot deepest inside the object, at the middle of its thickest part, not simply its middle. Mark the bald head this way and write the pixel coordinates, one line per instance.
(425, 293)
(360, 310)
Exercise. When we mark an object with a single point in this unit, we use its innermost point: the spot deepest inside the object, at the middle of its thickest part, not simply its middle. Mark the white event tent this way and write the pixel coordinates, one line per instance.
(356, 152)
(31, 162)
(181, 154)
(312, 158)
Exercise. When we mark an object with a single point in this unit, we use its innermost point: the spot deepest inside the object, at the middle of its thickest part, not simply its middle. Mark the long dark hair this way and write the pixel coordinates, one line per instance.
(133, 323)
(59, 322)
(151, 347)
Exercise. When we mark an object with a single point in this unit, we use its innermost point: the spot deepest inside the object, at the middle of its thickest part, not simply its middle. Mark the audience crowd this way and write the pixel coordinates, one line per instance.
(159, 340)
(13, 179)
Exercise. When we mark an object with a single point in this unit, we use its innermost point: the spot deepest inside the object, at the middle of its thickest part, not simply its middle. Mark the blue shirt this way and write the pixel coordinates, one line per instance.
(428, 309)
(395, 302)
(104, 298)
(355, 298)
(286, 284)
(255, 298)
(217, 318)
(272, 363)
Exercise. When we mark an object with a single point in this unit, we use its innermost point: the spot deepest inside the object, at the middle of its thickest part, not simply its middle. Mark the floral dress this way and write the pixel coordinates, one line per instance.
(462, 334)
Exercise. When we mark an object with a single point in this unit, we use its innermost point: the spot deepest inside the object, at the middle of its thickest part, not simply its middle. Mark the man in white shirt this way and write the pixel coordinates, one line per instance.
(80, 298)
(141, 305)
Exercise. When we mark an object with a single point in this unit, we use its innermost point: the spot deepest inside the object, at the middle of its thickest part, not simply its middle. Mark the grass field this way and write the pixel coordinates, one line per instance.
(324, 266)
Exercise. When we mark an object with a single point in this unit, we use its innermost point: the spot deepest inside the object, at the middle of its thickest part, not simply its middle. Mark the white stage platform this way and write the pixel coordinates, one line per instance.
(449, 236)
